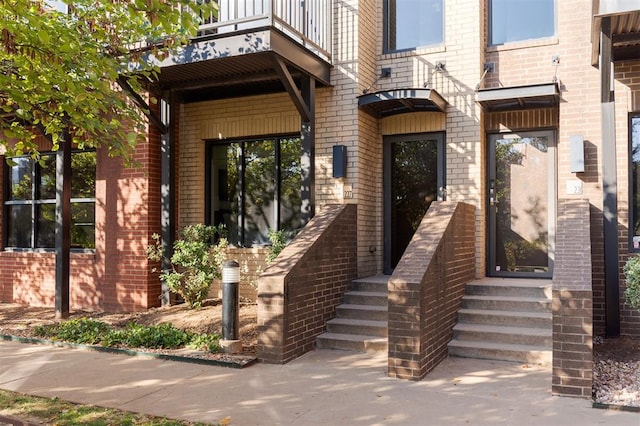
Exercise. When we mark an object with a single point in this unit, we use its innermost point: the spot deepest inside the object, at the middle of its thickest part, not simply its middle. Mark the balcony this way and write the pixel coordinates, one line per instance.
(240, 53)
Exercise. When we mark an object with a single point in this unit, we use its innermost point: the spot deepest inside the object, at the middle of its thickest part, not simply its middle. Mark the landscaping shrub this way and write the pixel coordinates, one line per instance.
(162, 336)
(195, 262)
(632, 273)
(83, 331)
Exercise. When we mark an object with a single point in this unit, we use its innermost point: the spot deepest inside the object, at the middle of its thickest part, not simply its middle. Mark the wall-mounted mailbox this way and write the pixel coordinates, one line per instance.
(339, 161)
(576, 146)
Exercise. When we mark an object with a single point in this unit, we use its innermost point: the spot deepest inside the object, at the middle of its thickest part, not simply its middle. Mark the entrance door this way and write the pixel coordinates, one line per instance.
(413, 175)
(521, 205)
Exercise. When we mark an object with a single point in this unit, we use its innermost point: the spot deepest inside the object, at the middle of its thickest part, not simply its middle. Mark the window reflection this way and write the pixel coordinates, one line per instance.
(255, 186)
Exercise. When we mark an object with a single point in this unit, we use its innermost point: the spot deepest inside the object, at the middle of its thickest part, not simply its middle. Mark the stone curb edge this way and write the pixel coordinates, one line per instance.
(130, 352)
(604, 406)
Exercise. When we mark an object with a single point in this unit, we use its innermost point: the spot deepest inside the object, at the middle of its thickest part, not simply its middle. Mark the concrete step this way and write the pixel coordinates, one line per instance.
(500, 351)
(503, 334)
(508, 287)
(356, 326)
(509, 318)
(376, 283)
(352, 342)
(507, 303)
(366, 298)
(366, 312)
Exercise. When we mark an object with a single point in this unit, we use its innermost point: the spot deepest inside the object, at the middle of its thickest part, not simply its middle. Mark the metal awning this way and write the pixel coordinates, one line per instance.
(399, 101)
(624, 17)
(237, 64)
(519, 97)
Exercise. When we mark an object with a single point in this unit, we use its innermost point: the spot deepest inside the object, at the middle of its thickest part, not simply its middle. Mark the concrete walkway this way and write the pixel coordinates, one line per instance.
(320, 388)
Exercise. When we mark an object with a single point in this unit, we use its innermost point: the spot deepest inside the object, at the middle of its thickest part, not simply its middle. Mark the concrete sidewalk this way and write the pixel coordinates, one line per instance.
(320, 388)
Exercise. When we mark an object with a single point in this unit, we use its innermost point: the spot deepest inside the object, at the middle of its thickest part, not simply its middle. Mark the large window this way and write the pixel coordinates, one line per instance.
(30, 205)
(634, 193)
(514, 20)
(413, 23)
(255, 186)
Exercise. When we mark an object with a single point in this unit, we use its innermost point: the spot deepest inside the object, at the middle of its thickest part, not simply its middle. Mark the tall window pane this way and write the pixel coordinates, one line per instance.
(225, 203)
(290, 184)
(514, 20)
(83, 175)
(46, 225)
(19, 226)
(20, 175)
(413, 23)
(260, 187)
(46, 178)
(83, 226)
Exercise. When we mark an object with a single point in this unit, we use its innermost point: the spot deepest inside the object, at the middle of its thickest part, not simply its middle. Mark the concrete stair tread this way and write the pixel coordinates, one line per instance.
(366, 293)
(363, 307)
(498, 346)
(353, 337)
(507, 298)
(373, 279)
(358, 322)
(506, 313)
(527, 331)
(525, 283)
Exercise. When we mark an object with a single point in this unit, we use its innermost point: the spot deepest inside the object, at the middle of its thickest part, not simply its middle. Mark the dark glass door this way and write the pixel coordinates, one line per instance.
(413, 177)
(521, 204)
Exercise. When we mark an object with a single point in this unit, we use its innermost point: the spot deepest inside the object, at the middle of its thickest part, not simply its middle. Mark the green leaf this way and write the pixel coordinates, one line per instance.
(43, 36)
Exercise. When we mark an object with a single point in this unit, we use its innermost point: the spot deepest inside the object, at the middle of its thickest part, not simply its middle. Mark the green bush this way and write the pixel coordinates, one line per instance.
(632, 273)
(278, 243)
(162, 336)
(83, 331)
(196, 261)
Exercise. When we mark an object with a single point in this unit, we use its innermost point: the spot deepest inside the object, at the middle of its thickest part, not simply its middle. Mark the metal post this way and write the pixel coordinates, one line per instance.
(63, 226)
(609, 184)
(230, 307)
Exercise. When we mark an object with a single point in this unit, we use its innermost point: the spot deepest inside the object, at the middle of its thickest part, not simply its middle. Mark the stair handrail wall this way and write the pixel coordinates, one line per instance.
(426, 289)
(299, 292)
(573, 301)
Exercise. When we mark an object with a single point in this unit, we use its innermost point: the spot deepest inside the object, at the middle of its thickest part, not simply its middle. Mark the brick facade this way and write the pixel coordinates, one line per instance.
(117, 275)
(299, 292)
(426, 289)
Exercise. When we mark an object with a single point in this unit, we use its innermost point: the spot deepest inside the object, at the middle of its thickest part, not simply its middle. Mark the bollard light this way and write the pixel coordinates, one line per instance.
(230, 303)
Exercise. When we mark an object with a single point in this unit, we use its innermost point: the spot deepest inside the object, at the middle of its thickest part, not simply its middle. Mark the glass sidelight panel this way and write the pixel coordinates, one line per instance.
(414, 171)
(521, 204)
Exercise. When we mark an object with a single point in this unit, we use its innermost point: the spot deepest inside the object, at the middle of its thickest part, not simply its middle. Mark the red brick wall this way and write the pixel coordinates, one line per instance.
(573, 301)
(426, 289)
(627, 75)
(299, 292)
(117, 276)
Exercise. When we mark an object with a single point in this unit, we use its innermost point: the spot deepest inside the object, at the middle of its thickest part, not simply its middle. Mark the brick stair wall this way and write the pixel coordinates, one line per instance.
(426, 289)
(299, 292)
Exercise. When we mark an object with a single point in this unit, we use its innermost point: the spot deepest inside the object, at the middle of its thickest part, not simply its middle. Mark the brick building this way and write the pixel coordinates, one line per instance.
(348, 120)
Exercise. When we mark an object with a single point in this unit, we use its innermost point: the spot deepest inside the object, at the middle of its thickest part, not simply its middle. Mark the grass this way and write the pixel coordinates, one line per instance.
(56, 411)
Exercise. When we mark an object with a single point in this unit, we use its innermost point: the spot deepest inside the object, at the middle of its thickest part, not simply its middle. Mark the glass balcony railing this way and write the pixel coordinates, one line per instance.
(306, 21)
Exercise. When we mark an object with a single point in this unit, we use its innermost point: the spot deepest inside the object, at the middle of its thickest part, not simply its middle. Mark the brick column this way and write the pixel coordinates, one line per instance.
(573, 302)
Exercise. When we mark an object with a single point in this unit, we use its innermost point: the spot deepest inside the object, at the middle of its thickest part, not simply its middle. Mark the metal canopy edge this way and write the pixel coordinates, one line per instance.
(384, 103)
(519, 97)
(625, 28)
